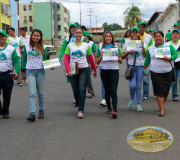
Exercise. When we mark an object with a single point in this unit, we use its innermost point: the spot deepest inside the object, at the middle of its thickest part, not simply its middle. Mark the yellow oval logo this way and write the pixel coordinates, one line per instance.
(150, 139)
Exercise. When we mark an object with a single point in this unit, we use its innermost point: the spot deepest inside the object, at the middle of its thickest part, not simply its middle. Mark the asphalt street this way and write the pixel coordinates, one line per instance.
(61, 136)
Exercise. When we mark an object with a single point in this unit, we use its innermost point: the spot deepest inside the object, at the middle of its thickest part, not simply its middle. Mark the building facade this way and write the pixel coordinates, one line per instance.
(152, 23)
(14, 15)
(5, 16)
(39, 16)
(167, 19)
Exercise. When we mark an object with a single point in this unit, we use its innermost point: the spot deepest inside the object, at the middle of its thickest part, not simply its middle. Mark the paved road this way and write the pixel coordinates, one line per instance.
(61, 136)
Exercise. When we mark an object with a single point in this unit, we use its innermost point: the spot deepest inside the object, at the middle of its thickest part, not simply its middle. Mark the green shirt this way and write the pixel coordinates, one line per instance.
(168, 35)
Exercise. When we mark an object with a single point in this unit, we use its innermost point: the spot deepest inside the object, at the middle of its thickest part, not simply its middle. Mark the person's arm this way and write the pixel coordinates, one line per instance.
(147, 60)
(144, 49)
(99, 55)
(150, 43)
(16, 62)
(24, 60)
(63, 48)
(66, 60)
(45, 54)
(174, 54)
(90, 59)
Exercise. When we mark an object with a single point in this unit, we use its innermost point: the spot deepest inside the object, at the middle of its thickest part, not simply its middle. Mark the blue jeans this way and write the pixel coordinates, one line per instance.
(79, 83)
(135, 84)
(36, 78)
(175, 84)
(102, 88)
(146, 86)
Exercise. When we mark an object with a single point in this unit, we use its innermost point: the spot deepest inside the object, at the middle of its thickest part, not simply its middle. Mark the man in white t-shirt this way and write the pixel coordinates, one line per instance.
(15, 41)
(25, 39)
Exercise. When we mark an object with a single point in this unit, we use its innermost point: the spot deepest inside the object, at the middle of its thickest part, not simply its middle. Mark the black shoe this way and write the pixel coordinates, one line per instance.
(31, 118)
(109, 111)
(161, 114)
(5, 116)
(41, 115)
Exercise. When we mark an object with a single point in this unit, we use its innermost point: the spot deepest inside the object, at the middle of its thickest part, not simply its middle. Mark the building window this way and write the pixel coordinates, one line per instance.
(65, 29)
(58, 17)
(58, 7)
(59, 37)
(31, 29)
(30, 7)
(59, 27)
(30, 18)
(25, 8)
(26, 28)
(25, 19)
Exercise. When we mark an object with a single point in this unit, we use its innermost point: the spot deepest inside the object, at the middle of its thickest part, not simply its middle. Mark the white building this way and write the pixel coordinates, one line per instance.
(170, 16)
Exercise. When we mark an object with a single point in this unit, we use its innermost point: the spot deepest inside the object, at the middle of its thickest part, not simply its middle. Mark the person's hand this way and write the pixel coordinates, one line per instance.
(70, 74)
(52, 68)
(131, 51)
(95, 74)
(97, 65)
(23, 76)
(120, 59)
(166, 58)
(101, 53)
(59, 59)
(16, 76)
(142, 42)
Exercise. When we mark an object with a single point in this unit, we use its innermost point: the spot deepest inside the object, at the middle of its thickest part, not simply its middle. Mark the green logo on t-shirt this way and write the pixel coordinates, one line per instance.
(135, 54)
(15, 45)
(77, 54)
(33, 53)
(3, 57)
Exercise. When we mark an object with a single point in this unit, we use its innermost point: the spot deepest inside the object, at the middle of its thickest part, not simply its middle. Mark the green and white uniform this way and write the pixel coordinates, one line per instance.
(93, 47)
(32, 59)
(16, 43)
(9, 59)
(159, 65)
(147, 38)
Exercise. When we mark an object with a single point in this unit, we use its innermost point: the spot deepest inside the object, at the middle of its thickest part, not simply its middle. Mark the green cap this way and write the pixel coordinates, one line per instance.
(176, 24)
(142, 23)
(3, 32)
(86, 33)
(73, 24)
(175, 30)
(135, 28)
(151, 30)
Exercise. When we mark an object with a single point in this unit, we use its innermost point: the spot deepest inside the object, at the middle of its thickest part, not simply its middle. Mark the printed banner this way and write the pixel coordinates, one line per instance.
(135, 45)
(51, 63)
(162, 51)
(110, 54)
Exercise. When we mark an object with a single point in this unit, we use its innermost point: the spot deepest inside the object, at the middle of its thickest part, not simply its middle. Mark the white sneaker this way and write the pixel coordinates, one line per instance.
(80, 115)
(103, 102)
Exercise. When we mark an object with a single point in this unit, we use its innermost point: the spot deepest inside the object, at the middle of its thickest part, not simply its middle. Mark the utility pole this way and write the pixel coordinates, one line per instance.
(96, 27)
(90, 11)
(51, 3)
(80, 10)
(18, 15)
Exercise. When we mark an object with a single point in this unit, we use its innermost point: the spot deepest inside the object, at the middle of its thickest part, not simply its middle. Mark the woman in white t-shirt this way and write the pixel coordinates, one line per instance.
(77, 53)
(135, 83)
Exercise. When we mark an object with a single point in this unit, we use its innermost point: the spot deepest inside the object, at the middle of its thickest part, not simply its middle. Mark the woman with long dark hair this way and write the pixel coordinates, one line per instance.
(33, 55)
(109, 72)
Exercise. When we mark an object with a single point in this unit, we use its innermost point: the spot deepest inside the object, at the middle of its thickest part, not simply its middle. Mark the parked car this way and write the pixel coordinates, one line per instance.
(117, 39)
(96, 41)
(50, 51)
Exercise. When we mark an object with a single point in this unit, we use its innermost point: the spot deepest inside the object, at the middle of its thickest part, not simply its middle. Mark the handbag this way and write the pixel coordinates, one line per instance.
(129, 73)
(173, 75)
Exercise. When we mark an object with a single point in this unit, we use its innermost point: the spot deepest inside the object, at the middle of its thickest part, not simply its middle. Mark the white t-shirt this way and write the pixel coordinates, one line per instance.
(78, 53)
(147, 39)
(6, 62)
(34, 59)
(25, 40)
(16, 43)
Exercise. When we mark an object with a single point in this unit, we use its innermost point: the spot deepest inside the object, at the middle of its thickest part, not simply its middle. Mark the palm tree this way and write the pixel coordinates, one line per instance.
(133, 16)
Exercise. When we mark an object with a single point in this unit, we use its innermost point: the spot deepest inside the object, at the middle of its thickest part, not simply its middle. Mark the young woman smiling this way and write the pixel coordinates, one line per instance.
(78, 52)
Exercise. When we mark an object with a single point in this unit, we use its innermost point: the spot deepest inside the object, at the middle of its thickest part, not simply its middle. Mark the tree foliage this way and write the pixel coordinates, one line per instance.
(112, 27)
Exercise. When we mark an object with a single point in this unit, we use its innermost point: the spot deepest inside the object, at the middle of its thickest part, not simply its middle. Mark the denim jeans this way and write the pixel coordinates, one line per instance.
(102, 88)
(110, 80)
(90, 86)
(19, 78)
(79, 83)
(36, 78)
(135, 84)
(146, 86)
(175, 84)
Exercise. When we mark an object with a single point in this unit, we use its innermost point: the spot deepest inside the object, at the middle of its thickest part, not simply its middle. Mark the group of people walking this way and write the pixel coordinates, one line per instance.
(27, 54)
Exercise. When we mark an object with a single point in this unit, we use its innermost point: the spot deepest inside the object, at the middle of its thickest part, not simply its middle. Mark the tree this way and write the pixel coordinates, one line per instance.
(133, 16)
(112, 27)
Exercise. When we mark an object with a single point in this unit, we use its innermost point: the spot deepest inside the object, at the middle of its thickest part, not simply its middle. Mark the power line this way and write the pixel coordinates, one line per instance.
(90, 11)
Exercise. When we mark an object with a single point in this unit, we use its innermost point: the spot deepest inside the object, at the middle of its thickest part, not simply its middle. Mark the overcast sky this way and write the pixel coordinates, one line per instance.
(110, 11)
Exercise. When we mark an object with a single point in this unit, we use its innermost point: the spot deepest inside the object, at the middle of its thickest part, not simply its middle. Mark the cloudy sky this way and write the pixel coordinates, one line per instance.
(110, 11)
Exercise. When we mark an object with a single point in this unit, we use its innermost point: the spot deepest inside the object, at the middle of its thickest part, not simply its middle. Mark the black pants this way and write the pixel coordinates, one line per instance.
(110, 79)
(6, 84)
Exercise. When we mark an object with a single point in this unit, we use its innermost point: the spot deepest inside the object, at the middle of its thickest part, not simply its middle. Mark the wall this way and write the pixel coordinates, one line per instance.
(14, 16)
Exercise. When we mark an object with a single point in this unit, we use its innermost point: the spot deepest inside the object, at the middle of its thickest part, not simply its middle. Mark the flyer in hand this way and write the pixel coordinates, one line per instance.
(135, 45)
(51, 63)
(74, 68)
(110, 54)
(162, 51)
